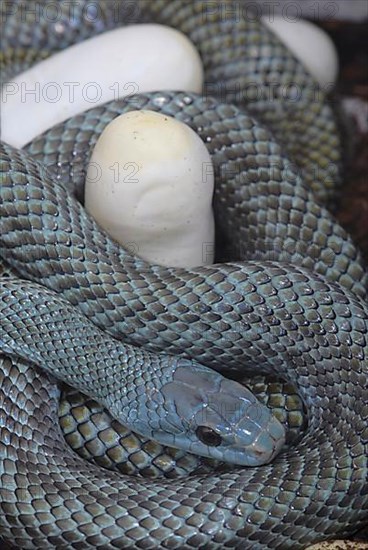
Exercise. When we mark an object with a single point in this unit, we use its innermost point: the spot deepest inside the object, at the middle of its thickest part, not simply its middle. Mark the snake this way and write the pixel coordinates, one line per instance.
(286, 297)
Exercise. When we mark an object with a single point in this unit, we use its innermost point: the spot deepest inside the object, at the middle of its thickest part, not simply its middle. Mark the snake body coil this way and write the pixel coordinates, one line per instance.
(308, 323)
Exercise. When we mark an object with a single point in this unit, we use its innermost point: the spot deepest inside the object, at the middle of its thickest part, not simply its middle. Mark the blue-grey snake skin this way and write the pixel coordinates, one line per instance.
(288, 298)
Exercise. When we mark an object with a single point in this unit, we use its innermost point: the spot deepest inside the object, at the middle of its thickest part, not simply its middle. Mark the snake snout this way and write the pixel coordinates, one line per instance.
(220, 418)
(252, 436)
(268, 439)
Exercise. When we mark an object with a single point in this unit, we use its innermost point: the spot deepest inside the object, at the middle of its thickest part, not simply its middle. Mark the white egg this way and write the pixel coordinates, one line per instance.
(150, 185)
(311, 45)
(115, 64)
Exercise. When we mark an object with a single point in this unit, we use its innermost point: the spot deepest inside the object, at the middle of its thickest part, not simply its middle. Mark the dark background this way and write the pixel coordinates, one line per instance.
(351, 42)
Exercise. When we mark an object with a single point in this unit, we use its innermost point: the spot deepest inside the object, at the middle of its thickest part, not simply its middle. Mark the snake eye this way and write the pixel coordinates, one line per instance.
(208, 436)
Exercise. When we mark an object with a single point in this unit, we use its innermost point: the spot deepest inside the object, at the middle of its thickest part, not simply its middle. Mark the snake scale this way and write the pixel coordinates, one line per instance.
(289, 298)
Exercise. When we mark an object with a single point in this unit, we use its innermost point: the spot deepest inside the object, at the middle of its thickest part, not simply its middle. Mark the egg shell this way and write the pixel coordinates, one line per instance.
(150, 185)
(115, 64)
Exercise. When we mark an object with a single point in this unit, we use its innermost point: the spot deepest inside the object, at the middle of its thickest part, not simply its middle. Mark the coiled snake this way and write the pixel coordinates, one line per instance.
(291, 302)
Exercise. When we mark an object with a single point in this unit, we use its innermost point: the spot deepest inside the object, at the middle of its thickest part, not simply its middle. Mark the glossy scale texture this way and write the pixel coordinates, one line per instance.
(306, 323)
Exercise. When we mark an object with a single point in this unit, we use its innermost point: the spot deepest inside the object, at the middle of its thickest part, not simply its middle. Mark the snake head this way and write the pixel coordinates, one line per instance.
(212, 416)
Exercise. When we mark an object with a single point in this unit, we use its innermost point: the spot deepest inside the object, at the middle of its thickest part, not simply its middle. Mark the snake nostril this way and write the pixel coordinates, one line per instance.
(208, 436)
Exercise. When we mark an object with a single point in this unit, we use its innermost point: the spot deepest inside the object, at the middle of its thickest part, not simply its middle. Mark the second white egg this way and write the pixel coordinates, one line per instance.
(150, 185)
